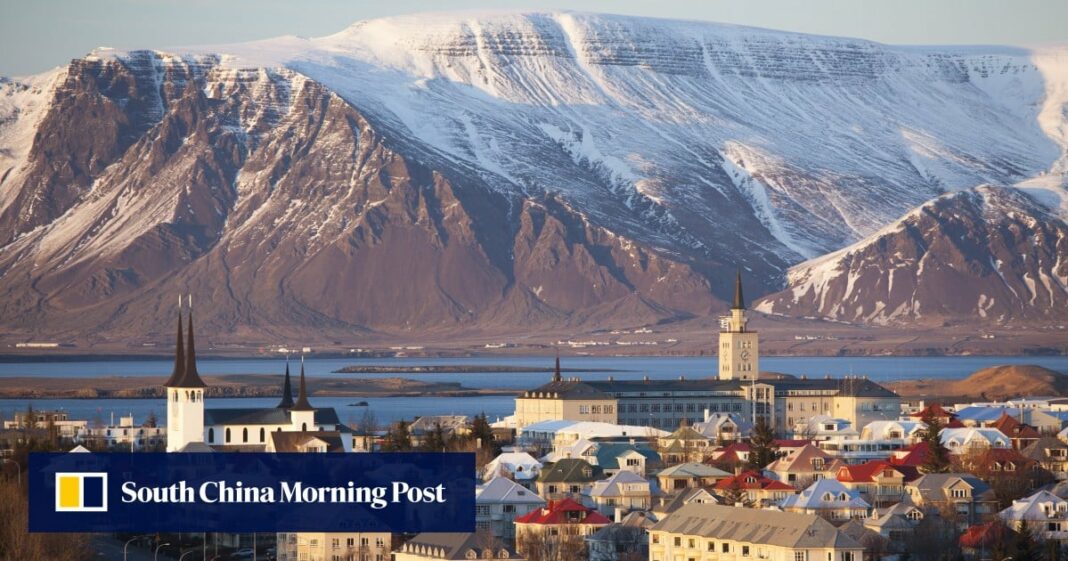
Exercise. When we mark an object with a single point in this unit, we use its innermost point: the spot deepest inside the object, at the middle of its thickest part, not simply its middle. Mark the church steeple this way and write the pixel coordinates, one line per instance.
(302, 398)
(739, 300)
(287, 390)
(556, 371)
(191, 378)
(179, 353)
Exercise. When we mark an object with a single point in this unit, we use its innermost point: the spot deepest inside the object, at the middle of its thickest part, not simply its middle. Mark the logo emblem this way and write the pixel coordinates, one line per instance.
(81, 492)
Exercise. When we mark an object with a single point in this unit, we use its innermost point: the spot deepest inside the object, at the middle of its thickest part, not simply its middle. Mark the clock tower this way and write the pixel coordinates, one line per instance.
(738, 346)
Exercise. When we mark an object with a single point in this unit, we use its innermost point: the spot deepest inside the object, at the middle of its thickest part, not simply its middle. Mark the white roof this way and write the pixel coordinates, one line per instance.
(827, 494)
(967, 436)
(519, 464)
(879, 428)
(504, 490)
(611, 487)
(592, 429)
(1043, 505)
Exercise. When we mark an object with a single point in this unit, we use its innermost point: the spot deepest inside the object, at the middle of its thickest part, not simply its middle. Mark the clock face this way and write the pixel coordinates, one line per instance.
(744, 355)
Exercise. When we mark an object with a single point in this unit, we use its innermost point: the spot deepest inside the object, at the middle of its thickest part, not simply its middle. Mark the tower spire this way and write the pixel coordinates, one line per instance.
(179, 353)
(739, 300)
(556, 371)
(189, 377)
(287, 390)
(302, 398)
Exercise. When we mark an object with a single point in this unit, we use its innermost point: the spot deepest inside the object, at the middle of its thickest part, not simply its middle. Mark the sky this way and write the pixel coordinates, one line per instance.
(36, 35)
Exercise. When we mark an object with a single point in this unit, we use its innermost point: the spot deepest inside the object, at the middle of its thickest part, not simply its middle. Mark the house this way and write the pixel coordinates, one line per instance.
(959, 441)
(909, 432)
(450, 425)
(936, 411)
(723, 427)
(499, 502)
(706, 531)
(823, 427)
(691, 474)
(1044, 513)
(968, 496)
(685, 445)
(625, 491)
(981, 538)
(1021, 435)
(306, 441)
(801, 467)
(126, 434)
(996, 462)
(448, 547)
(558, 434)
(829, 499)
(518, 466)
(564, 523)
(879, 482)
(670, 503)
(567, 478)
(1050, 453)
(634, 456)
(758, 490)
(896, 521)
(625, 540)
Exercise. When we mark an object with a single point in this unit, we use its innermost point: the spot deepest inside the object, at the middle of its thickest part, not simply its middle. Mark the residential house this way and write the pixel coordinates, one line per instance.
(691, 474)
(305, 441)
(1044, 513)
(670, 503)
(519, 466)
(564, 522)
(685, 445)
(829, 499)
(308, 546)
(706, 531)
(634, 456)
(626, 540)
(823, 427)
(879, 482)
(1021, 435)
(969, 497)
(1051, 453)
(897, 521)
(450, 425)
(625, 491)
(962, 440)
(723, 427)
(759, 490)
(569, 477)
(458, 546)
(499, 502)
(801, 467)
(909, 432)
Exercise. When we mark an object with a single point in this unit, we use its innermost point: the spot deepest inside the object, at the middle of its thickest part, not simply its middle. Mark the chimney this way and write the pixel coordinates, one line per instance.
(707, 415)
(619, 515)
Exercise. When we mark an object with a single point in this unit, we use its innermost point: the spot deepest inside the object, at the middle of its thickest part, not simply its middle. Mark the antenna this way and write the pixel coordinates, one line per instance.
(189, 299)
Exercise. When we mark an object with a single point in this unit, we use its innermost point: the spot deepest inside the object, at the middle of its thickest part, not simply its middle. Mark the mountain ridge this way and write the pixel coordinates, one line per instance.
(578, 167)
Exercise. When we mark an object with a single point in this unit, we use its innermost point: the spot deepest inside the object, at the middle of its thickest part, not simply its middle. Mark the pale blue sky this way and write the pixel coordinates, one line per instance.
(38, 34)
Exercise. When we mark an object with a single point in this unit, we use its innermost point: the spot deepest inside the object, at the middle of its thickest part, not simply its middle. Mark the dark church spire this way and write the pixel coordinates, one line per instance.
(188, 378)
(556, 371)
(179, 353)
(287, 390)
(739, 301)
(302, 398)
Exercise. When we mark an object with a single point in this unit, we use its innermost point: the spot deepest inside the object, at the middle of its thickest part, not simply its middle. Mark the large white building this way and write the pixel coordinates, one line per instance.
(192, 427)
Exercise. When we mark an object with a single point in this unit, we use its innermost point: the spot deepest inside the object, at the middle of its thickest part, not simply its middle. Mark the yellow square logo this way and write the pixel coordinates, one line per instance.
(82, 492)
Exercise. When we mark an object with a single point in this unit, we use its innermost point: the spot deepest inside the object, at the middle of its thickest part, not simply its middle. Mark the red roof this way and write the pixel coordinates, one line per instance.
(984, 535)
(752, 480)
(867, 471)
(914, 457)
(934, 410)
(1004, 456)
(784, 443)
(1014, 429)
(559, 512)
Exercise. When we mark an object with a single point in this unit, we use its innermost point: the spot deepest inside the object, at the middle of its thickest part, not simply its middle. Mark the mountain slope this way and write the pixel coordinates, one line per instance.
(987, 253)
(505, 171)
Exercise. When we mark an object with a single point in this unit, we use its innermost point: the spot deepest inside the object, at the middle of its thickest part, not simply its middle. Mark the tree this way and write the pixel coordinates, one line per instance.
(735, 495)
(1025, 547)
(541, 546)
(398, 439)
(481, 431)
(17, 543)
(761, 445)
(937, 459)
(152, 420)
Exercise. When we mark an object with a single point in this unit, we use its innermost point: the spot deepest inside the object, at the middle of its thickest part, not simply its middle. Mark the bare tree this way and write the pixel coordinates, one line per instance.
(18, 544)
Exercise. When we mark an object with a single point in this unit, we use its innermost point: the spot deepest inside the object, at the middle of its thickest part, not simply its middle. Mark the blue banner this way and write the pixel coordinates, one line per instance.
(254, 492)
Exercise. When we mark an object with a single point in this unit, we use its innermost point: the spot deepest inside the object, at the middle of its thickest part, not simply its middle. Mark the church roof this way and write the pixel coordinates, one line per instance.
(739, 300)
(287, 390)
(265, 416)
(185, 373)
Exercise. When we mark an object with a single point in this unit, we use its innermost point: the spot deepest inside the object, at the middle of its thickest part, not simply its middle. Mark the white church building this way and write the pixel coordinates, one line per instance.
(193, 428)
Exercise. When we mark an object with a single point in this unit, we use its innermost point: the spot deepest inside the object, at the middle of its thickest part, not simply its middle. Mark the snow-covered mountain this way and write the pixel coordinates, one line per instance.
(495, 169)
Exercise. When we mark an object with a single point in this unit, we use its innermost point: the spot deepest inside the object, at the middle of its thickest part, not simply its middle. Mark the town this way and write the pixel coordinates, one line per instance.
(748, 465)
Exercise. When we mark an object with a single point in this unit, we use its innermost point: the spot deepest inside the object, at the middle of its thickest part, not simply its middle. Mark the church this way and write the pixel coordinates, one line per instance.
(291, 426)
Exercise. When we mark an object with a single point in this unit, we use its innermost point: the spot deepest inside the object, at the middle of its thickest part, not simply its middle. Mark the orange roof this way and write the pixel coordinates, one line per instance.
(984, 535)
(1014, 429)
(867, 471)
(934, 410)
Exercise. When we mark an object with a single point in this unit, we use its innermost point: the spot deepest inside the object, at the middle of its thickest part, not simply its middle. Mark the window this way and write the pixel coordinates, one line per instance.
(227, 435)
(263, 435)
(678, 541)
(799, 556)
(244, 434)
(745, 551)
(724, 547)
(211, 435)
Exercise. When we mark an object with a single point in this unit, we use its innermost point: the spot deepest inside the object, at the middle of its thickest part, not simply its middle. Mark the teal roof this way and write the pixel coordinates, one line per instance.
(608, 453)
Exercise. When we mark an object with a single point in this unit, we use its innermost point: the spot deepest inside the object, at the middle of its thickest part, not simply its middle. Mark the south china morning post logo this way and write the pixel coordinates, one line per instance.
(81, 492)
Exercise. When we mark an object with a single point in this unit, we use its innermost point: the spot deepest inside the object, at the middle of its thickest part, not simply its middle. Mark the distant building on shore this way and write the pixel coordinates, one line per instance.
(737, 390)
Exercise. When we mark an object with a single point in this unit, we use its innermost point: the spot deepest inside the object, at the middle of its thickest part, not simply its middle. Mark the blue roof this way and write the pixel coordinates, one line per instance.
(608, 453)
(983, 414)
